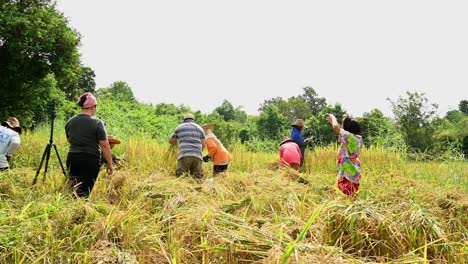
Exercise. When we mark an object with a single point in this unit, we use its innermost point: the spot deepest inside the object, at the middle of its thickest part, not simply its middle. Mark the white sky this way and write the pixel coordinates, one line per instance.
(200, 52)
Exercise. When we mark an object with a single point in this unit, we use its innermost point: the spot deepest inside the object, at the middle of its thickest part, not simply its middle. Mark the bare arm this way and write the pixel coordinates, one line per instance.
(107, 155)
(332, 120)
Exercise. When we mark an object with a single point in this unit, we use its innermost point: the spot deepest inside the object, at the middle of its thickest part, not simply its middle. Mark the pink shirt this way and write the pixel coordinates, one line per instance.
(290, 153)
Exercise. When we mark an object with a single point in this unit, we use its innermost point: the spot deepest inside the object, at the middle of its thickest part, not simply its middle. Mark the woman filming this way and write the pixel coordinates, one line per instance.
(87, 137)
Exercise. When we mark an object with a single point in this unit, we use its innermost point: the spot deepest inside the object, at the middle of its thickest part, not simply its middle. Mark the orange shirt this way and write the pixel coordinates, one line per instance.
(217, 151)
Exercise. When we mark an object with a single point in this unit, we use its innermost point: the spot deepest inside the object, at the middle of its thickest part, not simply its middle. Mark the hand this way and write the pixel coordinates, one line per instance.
(110, 169)
(206, 158)
(309, 139)
(331, 119)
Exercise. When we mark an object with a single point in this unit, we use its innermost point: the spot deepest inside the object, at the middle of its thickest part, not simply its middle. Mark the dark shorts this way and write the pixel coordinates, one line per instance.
(192, 165)
(219, 168)
(83, 171)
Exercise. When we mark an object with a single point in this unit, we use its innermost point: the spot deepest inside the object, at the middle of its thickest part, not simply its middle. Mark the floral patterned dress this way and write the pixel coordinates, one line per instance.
(347, 159)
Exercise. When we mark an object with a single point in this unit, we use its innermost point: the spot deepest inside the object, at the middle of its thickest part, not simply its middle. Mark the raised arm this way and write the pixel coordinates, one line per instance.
(332, 120)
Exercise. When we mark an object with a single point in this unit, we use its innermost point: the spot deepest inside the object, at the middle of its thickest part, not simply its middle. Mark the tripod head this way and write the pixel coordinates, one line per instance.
(53, 109)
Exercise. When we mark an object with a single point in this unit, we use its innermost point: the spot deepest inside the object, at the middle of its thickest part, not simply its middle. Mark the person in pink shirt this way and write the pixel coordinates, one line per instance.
(290, 154)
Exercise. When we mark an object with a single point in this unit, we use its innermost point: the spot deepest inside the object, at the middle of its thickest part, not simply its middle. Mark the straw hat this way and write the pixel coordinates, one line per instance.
(207, 126)
(113, 140)
(286, 140)
(299, 123)
(189, 116)
(14, 124)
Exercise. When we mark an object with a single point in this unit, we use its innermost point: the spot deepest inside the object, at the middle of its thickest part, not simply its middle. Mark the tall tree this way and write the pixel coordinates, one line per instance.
(316, 103)
(463, 106)
(414, 115)
(229, 113)
(320, 128)
(36, 45)
(122, 91)
(303, 106)
(377, 129)
(271, 124)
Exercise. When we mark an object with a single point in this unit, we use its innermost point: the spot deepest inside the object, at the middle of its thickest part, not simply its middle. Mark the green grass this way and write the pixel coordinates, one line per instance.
(406, 212)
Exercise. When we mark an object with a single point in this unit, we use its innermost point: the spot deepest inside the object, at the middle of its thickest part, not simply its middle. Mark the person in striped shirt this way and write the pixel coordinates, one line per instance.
(191, 138)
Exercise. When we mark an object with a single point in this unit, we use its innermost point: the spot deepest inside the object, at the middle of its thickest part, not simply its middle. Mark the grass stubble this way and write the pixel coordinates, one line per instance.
(406, 212)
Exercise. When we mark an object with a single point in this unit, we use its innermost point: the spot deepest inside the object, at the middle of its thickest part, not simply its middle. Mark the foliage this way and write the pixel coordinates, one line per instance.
(463, 106)
(320, 128)
(414, 115)
(118, 90)
(229, 113)
(316, 103)
(125, 118)
(450, 135)
(303, 106)
(271, 124)
(38, 56)
(376, 129)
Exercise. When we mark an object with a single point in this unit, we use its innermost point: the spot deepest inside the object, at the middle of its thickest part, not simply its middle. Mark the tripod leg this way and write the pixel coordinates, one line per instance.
(49, 146)
(60, 161)
(40, 164)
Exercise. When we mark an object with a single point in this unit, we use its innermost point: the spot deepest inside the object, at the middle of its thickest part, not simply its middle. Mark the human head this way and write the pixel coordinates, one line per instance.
(299, 123)
(112, 141)
(13, 124)
(351, 125)
(87, 100)
(207, 127)
(188, 117)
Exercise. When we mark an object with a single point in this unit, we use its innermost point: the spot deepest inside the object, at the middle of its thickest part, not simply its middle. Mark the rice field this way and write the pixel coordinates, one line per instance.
(406, 212)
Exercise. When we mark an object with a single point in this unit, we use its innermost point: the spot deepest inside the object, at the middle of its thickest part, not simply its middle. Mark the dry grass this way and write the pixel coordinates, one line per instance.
(254, 213)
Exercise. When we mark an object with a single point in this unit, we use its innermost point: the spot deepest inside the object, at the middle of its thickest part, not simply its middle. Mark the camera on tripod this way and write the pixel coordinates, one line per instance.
(46, 154)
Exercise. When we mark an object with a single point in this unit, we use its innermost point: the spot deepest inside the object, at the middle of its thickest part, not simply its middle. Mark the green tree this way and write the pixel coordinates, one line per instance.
(171, 109)
(271, 124)
(320, 128)
(303, 106)
(316, 103)
(36, 46)
(281, 105)
(120, 90)
(377, 129)
(451, 135)
(229, 113)
(463, 106)
(414, 115)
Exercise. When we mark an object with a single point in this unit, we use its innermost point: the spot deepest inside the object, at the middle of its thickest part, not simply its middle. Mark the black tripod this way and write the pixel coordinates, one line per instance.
(46, 154)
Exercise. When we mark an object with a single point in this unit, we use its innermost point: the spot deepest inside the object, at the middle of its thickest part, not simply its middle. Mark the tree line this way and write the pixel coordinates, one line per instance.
(40, 62)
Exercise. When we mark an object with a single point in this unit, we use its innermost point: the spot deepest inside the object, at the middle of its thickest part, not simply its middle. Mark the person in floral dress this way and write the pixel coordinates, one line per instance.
(347, 159)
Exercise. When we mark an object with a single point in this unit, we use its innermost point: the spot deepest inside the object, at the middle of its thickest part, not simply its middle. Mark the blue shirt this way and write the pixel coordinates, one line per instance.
(296, 136)
(190, 136)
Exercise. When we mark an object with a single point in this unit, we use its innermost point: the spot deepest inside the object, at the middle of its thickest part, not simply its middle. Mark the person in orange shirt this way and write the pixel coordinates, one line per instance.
(216, 151)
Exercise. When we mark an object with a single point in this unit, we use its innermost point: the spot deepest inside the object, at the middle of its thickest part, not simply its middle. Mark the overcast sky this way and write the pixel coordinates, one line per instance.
(198, 52)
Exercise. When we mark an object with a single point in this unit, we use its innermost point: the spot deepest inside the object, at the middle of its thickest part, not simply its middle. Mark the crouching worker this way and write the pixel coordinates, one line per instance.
(290, 154)
(191, 140)
(115, 159)
(9, 141)
(216, 151)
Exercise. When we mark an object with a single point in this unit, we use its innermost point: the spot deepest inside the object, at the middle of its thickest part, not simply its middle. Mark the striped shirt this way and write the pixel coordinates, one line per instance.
(190, 136)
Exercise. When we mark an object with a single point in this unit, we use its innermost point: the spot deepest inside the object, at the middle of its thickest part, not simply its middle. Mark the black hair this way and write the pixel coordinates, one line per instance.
(82, 100)
(351, 125)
